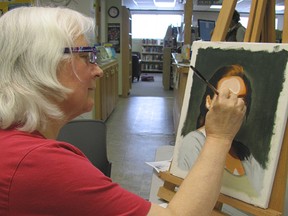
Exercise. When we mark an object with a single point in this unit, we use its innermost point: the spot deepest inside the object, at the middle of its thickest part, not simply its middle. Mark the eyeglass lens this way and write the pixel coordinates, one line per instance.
(92, 58)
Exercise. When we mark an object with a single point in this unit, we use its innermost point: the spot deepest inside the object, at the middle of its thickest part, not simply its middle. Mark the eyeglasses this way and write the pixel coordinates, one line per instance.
(92, 52)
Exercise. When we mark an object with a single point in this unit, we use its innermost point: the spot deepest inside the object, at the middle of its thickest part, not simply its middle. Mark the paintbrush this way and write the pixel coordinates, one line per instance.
(204, 80)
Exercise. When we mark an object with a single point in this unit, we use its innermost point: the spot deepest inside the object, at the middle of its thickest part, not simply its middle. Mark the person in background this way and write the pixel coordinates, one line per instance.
(236, 31)
(47, 78)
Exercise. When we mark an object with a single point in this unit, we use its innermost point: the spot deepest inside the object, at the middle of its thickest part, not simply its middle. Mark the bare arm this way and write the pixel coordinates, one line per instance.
(200, 189)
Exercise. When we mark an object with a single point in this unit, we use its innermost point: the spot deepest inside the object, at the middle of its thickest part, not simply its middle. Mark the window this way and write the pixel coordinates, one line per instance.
(153, 25)
(244, 21)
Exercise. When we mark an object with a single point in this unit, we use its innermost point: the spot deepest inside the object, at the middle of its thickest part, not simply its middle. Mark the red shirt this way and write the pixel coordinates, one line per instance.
(39, 176)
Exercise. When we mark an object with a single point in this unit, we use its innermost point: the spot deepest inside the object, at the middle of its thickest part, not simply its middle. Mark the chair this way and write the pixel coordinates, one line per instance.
(90, 137)
(136, 65)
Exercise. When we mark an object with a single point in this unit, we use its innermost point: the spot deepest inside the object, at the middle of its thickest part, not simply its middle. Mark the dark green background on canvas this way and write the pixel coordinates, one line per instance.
(266, 73)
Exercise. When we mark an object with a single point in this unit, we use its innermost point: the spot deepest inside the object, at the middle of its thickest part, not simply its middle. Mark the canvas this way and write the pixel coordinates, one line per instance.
(252, 161)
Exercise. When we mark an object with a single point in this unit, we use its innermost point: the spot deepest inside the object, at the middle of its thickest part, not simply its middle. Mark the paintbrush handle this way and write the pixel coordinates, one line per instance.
(204, 80)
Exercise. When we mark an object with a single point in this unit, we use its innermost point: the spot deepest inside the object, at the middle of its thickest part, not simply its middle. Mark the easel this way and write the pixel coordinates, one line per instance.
(261, 25)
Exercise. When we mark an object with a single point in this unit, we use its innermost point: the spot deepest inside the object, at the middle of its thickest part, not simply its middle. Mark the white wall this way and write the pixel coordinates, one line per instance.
(83, 6)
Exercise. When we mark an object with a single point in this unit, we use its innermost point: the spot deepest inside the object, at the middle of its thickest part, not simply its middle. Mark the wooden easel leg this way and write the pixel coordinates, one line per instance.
(259, 20)
(268, 32)
(224, 19)
(188, 8)
(251, 19)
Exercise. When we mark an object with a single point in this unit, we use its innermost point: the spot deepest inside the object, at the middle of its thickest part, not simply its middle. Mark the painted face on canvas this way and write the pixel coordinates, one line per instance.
(234, 83)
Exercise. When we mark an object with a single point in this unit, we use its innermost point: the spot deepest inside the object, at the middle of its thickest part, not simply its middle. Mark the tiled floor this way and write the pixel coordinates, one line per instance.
(137, 127)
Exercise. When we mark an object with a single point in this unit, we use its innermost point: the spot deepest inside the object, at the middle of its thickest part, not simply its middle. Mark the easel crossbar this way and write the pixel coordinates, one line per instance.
(171, 183)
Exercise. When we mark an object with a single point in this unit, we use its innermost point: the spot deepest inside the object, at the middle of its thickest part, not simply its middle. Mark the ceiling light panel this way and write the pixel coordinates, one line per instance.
(165, 3)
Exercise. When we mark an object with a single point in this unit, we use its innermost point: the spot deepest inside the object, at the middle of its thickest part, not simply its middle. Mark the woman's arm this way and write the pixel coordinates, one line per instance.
(199, 191)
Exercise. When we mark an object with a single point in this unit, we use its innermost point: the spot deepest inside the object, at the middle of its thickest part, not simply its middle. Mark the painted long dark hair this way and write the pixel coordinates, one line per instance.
(240, 149)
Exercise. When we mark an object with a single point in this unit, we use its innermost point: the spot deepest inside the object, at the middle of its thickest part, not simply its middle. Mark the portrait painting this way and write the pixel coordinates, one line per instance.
(257, 73)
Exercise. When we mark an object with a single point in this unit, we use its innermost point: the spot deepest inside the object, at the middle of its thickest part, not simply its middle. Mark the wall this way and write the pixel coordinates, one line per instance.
(83, 6)
(103, 29)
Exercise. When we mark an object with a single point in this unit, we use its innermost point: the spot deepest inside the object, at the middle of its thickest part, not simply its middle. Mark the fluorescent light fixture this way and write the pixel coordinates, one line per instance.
(161, 3)
(215, 6)
(280, 7)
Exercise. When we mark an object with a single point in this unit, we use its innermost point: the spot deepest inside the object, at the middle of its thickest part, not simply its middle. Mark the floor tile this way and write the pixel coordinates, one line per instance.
(136, 128)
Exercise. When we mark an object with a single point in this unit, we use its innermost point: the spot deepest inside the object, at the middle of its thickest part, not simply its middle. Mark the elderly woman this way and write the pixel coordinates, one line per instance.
(47, 78)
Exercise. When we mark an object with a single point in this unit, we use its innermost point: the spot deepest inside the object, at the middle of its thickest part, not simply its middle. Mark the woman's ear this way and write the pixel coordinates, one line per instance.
(208, 102)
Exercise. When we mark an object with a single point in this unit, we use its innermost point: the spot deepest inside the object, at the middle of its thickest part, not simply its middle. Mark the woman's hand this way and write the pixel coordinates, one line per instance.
(225, 116)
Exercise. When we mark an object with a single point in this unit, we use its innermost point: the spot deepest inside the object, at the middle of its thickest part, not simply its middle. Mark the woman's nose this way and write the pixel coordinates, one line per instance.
(97, 72)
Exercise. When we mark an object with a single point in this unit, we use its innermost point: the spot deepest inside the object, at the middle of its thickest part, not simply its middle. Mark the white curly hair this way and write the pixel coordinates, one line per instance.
(32, 43)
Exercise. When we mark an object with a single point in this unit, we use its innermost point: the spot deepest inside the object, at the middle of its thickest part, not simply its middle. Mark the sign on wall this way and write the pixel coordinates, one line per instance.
(114, 35)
